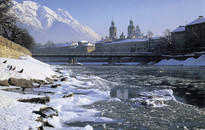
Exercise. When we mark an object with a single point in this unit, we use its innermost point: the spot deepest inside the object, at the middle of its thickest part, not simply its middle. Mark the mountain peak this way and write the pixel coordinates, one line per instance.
(45, 24)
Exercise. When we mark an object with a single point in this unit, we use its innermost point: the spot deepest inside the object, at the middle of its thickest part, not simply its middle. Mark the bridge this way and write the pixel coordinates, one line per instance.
(112, 56)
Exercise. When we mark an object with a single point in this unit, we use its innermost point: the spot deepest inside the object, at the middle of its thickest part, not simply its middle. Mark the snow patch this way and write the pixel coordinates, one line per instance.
(188, 62)
(32, 69)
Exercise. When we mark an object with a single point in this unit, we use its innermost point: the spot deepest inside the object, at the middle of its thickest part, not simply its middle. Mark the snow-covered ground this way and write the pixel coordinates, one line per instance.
(32, 69)
(14, 114)
(188, 62)
(17, 115)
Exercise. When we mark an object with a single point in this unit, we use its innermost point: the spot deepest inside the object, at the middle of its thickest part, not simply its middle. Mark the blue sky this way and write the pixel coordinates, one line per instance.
(153, 15)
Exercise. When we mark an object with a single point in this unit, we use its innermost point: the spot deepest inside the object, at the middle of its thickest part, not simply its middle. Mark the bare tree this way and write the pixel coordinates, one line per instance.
(167, 34)
(150, 34)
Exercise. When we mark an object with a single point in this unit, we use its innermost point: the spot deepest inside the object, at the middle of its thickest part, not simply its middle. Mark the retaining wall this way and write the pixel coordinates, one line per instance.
(9, 49)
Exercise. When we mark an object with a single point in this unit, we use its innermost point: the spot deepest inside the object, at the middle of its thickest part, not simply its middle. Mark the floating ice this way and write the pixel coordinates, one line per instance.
(155, 98)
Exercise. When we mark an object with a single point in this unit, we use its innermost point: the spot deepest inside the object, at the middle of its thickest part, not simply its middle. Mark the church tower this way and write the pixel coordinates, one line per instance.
(113, 31)
(131, 30)
(138, 33)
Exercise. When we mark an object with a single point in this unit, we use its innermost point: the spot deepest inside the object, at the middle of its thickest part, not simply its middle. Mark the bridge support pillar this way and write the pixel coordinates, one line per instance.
(71, 60)
(111, 60)
(119, 60)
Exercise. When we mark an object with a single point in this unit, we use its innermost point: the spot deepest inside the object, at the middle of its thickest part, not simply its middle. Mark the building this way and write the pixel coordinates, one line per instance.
(126, 46)
(113, 31)
(135, 42)
(190, 37)
(131, 30)
(122, 36)
(138, 33)
(89, 47)
(178, 38)
(195, 32)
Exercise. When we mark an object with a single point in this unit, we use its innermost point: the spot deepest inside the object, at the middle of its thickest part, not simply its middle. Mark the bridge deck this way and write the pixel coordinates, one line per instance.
(97, 55)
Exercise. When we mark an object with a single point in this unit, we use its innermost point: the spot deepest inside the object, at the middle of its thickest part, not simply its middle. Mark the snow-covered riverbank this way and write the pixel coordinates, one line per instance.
(14, 114)
(17, 115)
(188, 62)
(68, 98)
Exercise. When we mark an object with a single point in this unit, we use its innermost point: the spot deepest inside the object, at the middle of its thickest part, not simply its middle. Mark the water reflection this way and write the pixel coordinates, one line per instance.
(123, 93)
(186, 95)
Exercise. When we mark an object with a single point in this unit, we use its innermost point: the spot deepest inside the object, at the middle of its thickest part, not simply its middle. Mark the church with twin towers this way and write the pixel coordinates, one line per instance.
(132, 33)
(133, 42)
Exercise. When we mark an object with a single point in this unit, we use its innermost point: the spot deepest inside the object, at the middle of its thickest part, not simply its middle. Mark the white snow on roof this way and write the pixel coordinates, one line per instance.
(89, 44)
(128, 41)
(179, 29)
(132, 40)
(197, 21)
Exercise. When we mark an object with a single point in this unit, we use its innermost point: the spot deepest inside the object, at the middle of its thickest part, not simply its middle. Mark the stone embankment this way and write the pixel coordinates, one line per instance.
(9, 49)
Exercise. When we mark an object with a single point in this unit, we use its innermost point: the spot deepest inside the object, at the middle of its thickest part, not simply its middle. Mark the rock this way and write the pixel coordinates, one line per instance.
(64, 79)
(13, 89)
(55, 85)
(44, 123)
(56, 80)
(58, 70)
(49, 81)
(21, 82)
(41, 82)
(5, 61)
(70, 95)
(41, 100)
(54, 76)
(4, 83)
(47, 112)
(21, 71)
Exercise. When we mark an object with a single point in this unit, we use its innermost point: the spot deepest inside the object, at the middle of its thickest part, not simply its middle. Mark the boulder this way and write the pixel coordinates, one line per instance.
(44, 123)
(55, 85)
(47, 112)
(49, 81)
(21, 82)
(70, 95)
(4, 83)
(41, 100)
(64, 79)
(40, 82)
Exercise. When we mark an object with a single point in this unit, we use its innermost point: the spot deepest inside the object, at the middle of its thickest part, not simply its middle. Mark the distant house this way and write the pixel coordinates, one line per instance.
(89, 47)
(190, 37)
(178, 38)
(195, 32)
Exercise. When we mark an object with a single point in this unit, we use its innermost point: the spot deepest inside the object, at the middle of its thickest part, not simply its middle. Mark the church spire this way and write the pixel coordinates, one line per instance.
(131, 30)
(113, 31)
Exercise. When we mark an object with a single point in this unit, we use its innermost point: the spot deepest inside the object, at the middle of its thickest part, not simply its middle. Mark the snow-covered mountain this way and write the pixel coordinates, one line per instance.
(45, 24)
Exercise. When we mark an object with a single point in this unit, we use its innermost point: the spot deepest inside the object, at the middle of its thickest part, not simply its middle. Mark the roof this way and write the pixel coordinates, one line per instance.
(128, 40)
(179, 29)
(197, 21)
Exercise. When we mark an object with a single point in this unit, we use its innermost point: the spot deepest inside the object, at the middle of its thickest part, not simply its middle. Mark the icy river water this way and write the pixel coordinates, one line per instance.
(130, 97)
(126, 86)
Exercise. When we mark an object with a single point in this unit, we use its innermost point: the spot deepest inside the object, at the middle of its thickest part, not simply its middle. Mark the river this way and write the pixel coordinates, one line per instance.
(126, 83)
(128, 97)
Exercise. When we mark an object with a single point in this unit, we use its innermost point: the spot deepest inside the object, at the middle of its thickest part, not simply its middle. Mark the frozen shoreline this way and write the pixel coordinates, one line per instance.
(14, 114)
(70, 110)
